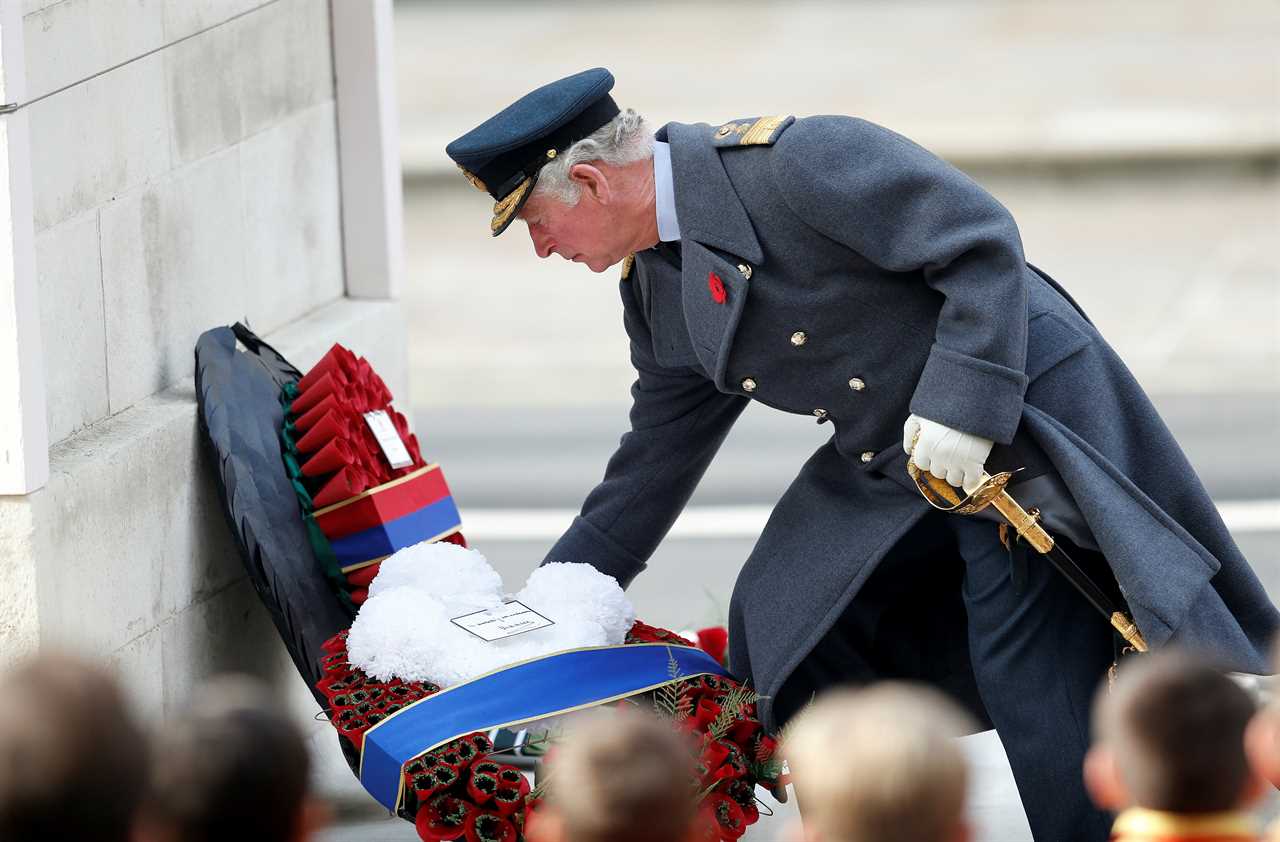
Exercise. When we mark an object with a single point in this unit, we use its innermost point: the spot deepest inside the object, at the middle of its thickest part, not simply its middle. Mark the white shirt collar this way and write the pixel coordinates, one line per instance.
(664, 193)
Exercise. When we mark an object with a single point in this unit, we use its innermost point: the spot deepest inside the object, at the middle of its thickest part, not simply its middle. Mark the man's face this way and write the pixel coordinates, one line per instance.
(583, 233)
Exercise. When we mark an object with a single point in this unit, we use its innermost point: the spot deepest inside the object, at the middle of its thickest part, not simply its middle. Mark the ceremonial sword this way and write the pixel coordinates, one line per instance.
(991, 492)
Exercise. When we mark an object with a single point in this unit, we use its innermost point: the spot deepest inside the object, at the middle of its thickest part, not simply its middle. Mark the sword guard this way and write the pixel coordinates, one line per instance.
(947, 498)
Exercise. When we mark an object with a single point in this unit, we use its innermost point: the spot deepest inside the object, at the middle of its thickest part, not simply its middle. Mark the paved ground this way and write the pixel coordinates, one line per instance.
(970, 78)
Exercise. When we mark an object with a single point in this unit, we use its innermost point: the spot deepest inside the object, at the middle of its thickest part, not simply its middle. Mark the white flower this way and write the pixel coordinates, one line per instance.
(459, 576)
(404, 629)
(580, 589)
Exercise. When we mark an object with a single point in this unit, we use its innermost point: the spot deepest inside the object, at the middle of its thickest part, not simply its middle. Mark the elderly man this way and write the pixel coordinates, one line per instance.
(828, 267)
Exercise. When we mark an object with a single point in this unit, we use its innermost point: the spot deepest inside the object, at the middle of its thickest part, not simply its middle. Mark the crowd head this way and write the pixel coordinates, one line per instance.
(1262, 738)
(1170, 736)
(76, 763)
(619, 778)
(1174, 738)
(880, 764)
(232, 765)
(73, 757)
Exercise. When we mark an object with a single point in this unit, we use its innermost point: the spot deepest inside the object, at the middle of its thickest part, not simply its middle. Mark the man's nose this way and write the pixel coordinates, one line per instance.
(542, 244)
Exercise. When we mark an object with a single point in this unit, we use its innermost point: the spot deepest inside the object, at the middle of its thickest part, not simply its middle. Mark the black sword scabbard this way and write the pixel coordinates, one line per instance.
(992, 493)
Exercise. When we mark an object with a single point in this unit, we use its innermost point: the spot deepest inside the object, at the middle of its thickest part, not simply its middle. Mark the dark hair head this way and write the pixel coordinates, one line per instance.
(72, 757)
(233, 766)
(1176, 724)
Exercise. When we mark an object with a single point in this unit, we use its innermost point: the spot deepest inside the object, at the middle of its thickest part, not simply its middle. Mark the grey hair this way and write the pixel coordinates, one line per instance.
(623, 140)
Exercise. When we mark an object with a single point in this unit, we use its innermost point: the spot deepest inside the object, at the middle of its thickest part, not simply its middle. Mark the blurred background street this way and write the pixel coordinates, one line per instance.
(1136, 143)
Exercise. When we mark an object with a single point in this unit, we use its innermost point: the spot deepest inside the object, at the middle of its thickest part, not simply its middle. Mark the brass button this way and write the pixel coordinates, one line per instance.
(723, 131)
(867, 456)
(745, 270)
(856, 384)
(748, 385)
(821, 414)
(799, 338)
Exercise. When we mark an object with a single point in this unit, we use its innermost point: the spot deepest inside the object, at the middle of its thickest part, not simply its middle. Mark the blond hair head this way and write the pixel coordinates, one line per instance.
(623, 777)
(880, 764)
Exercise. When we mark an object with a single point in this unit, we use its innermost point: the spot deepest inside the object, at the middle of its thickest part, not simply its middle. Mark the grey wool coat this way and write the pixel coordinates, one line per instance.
(864, 279)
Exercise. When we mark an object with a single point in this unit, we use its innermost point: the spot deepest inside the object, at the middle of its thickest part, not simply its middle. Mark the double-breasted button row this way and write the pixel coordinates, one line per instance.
(799, 338)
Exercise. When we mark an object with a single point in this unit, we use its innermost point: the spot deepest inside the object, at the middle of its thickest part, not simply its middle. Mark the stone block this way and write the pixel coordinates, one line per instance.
(19, 620)
(239, 78)
(72, 329)
(138, 666)
(202, 80)
(97, 140)
(29, 6)
(187, 17)
(171, 267)
(229, 632)
(286, 60)
(131, 525)
(69, 42)
(292, 218)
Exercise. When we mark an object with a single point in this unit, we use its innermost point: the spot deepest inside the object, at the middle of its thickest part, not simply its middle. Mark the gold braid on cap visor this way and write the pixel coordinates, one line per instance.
(510, 203)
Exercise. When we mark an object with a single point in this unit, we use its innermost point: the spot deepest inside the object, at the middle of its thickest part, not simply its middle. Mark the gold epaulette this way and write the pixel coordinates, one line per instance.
(763, 131)
(627, 263)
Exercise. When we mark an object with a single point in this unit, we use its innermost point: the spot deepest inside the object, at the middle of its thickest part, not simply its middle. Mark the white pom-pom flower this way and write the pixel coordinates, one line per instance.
(459, 576)
(574, 589)
(404, 629)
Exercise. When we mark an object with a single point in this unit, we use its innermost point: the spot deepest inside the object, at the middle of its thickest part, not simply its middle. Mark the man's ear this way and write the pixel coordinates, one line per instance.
(593, 181)
(1102, 779)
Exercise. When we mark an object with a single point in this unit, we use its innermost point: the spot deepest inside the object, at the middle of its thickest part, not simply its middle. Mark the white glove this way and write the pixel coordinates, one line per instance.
(946, 453)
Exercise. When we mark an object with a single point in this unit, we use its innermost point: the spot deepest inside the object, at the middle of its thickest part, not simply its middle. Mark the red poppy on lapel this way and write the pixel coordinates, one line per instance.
(718, 293)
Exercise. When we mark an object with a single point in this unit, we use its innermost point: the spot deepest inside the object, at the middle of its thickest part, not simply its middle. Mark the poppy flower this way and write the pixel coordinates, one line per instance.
(718, 293)
(443, 817)
(730, 819)
(714, 641)
(487, 826)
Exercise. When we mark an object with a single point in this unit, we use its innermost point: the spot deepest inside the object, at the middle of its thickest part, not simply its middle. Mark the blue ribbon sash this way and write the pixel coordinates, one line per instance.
(542, 687)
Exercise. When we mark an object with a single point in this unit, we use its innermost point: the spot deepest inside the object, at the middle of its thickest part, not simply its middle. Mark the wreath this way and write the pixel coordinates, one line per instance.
(463, 790)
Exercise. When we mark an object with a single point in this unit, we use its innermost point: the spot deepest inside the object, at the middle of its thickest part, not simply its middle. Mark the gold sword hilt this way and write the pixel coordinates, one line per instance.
(991, 492)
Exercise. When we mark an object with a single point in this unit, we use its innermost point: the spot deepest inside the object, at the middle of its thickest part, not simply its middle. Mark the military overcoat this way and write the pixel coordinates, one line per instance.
(832, 268)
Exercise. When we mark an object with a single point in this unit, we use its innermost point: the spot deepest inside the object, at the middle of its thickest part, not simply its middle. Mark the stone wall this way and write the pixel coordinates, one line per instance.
(186, 174)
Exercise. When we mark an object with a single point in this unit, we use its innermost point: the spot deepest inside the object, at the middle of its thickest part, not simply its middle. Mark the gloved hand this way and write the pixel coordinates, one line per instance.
(946, 453)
